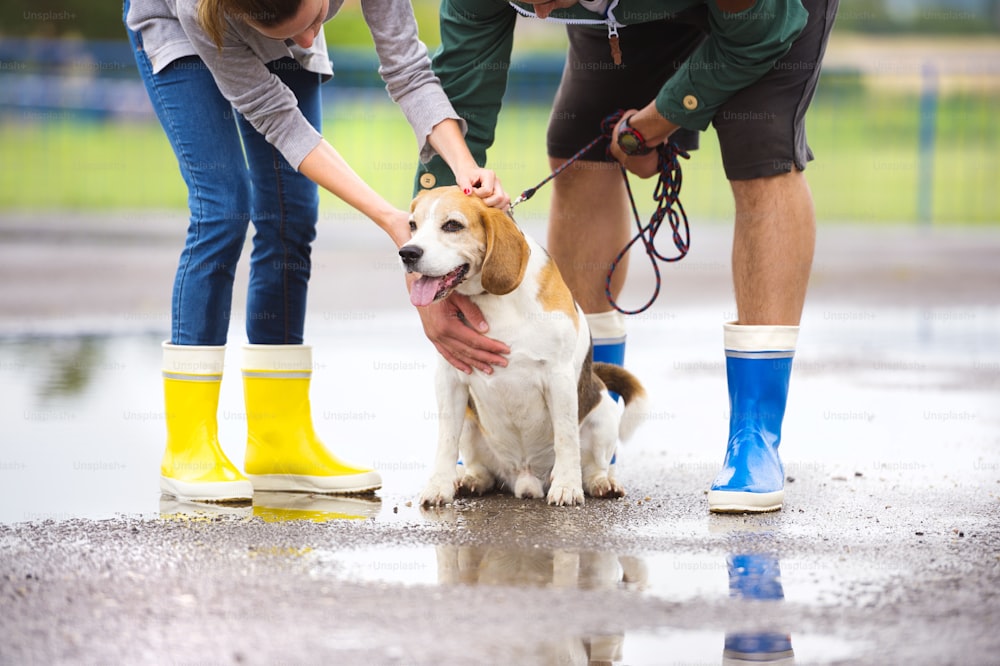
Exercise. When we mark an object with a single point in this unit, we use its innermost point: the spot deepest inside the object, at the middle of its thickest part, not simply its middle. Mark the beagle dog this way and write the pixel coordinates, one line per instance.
(544, 425)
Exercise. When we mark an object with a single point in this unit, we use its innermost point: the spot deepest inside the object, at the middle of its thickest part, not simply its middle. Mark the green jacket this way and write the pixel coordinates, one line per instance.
(476, 38)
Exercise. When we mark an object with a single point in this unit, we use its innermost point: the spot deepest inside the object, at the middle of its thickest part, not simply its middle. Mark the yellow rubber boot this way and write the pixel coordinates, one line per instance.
(283, 451)
(194, 466)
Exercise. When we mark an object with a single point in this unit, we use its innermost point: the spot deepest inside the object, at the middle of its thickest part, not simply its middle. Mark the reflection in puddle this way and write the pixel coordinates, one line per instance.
(64, 367)
(278, 507)
(275, 507)
(476, 565)
(752, 579)
(756, 577)
(174, 509)
(538, 568)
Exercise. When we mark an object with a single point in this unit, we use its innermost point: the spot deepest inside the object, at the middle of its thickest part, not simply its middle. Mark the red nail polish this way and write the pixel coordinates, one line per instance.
(467, 191)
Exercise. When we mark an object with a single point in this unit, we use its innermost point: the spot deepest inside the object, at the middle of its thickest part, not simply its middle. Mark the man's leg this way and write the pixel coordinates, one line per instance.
(773, 243)
(590, 218)
(588, 227)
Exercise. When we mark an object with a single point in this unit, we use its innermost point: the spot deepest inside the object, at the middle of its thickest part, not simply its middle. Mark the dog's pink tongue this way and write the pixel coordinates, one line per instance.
(423, 290)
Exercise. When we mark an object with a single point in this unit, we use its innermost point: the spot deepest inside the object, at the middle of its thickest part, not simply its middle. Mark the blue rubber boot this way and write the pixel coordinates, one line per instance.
(758, 365)
(607, 332)
(613, 353)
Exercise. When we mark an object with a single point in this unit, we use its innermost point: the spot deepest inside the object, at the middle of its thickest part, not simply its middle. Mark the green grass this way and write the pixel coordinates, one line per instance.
(867, 166)
(84, 165)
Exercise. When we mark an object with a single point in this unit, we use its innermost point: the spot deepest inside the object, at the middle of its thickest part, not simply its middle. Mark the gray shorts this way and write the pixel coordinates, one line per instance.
(761, 129)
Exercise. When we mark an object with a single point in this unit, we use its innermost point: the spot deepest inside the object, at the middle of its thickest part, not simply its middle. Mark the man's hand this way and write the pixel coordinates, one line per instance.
(643, 166)
(456, 328)
(654, 128)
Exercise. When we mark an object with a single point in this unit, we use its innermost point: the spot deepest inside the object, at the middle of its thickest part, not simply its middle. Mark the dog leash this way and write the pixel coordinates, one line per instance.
(668, 207)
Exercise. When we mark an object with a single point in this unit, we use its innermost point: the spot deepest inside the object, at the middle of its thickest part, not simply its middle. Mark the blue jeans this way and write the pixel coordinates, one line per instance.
(234, 176)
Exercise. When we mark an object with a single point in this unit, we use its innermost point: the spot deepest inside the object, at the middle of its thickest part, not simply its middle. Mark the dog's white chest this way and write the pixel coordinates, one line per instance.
(512, 410)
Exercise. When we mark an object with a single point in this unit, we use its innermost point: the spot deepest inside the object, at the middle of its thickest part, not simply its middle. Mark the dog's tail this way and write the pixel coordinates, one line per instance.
(625, 384)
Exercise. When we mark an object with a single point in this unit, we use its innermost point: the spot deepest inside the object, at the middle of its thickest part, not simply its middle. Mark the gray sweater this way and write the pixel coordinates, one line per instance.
(169, 30)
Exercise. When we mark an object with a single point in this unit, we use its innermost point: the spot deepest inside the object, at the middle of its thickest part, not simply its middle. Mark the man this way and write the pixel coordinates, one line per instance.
(748, 68)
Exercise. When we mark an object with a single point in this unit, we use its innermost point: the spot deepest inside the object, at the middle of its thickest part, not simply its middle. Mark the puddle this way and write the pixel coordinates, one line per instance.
(751, 577)
(274, 507)
(83, 424)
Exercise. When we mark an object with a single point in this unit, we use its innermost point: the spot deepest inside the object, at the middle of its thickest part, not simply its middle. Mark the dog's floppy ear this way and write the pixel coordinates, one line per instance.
(413, 204)
(507, 252)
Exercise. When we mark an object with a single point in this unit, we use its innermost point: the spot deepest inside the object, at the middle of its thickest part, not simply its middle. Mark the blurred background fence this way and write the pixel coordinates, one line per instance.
(904, 124)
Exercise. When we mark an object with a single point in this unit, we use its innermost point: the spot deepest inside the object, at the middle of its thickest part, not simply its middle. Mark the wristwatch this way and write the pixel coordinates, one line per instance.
(630, 141)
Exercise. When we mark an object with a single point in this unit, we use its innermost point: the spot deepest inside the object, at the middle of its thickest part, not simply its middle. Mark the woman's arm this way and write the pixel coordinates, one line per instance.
(406, 69)
(446, 138)
(324, 166)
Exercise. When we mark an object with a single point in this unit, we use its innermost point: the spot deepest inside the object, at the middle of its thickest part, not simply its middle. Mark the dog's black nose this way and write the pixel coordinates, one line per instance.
(410, 254)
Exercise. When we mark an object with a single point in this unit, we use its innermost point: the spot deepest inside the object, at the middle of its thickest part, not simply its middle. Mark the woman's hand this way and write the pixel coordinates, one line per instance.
(397, 224)
(456, 328)
(485, 185)
(446, 138)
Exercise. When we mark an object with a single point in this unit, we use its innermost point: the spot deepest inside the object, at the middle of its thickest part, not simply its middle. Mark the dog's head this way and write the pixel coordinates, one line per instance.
(460, 243)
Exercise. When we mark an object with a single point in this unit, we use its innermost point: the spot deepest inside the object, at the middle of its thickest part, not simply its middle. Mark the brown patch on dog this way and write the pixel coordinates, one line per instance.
(553, 294)
(588, 388)
(471, 414)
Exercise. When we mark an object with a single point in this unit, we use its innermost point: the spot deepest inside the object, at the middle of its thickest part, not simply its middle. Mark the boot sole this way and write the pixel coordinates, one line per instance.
(354, 484)
(220, 492)
(729, 501)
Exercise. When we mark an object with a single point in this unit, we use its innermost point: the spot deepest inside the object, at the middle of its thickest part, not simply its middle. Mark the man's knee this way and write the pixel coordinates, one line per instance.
(755, 188)
(588, 185)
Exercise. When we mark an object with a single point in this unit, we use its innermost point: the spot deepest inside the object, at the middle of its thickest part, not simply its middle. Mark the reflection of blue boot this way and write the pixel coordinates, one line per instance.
(756, 577)
(758, 365)
(607, 331)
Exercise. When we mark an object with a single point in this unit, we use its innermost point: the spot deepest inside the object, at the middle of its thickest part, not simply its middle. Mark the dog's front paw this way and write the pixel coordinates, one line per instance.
(604, 487)
(565, 495)
(439, 491)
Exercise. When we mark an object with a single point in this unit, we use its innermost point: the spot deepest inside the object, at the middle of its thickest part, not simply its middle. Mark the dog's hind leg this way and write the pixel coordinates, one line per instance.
(598, 439)
(477, 480)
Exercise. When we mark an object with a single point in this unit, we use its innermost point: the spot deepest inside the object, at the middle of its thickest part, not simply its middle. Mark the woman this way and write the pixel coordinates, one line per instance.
(266, 59)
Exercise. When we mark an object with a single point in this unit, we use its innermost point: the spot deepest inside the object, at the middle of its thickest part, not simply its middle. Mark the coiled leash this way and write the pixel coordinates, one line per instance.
(668, 206)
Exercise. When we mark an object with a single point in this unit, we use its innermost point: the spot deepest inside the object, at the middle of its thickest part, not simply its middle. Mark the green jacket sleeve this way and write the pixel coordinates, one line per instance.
(472, 63)
(740, 49)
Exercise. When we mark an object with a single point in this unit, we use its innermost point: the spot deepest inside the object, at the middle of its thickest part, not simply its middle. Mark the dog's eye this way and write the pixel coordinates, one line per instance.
(413, 225)
(452, 226)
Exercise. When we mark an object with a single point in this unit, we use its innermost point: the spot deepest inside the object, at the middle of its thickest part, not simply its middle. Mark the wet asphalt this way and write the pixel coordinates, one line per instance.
(887, 550)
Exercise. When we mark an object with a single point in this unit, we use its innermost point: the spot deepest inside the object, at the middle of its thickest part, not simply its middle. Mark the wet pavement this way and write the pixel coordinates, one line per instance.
(887, 550)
